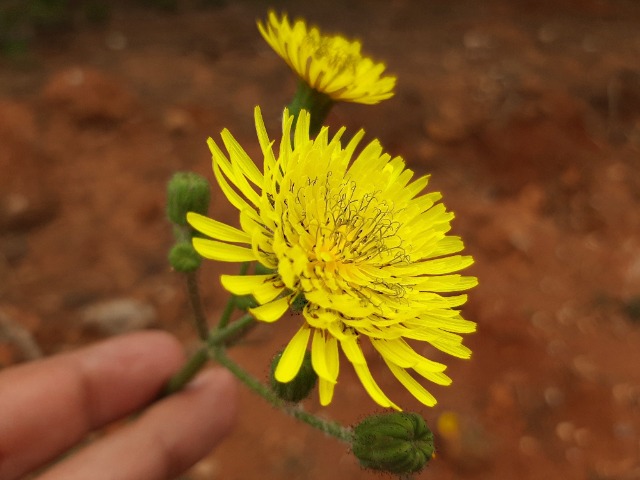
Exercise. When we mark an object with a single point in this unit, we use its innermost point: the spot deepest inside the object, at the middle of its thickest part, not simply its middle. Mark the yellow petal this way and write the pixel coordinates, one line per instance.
(222, 251)
(233, 170)
(451, 344)
(217, 230)
(267, 292)
(450, 323)
(400, 353)
(344, 303)
(243, 284)
(265, 144)
(271, 312)
(436, 266)
(243, 160)
(292, 357)
(325, 389)
(324, 355)
(234, 198)
(351, 349)
(301, 133)
(438, 378)
(372, 387)
(411, 384)
(446, 283)
(446, 246)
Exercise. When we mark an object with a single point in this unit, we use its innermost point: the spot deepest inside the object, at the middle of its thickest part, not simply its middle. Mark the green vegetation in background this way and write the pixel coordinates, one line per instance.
(21, 21)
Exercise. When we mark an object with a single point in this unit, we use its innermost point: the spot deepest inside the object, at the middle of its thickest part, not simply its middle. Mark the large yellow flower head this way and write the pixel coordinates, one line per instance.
(329, 64)
(356, 238)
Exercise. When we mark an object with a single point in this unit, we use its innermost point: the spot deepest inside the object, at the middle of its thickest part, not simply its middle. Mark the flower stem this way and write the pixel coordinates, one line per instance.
(226, 313)
(187, 372)
(316, 103)
(331, 428)
(219, 338)
(196, 305)
(231, 303)
(223, 336)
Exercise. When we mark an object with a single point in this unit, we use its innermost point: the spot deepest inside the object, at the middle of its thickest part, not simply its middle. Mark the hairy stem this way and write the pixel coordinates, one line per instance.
(199, 316)
(231, 303)
(217, 339)
(316, 103)
(331, 428)
(223, 336)
(187, 372)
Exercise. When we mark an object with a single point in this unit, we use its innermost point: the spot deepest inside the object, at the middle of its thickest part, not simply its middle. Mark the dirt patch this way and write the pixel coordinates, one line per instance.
(527, 114)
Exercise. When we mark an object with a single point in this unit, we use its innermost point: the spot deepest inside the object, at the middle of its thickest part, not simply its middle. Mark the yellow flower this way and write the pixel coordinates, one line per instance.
(355, 237)
(332, 65)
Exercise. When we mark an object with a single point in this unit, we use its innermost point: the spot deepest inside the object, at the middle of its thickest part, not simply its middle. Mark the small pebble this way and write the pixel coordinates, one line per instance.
(553, 396)
(582, 437)
(119, 315)
(529, 445)
(565, 431)
(574, 455)
(116, 41)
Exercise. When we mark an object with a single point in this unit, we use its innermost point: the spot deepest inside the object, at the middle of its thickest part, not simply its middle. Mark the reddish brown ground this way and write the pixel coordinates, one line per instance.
(526, 113)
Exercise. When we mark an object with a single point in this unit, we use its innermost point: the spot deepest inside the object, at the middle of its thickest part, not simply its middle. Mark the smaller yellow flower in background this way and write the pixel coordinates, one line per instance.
(356, 239)
(329, 64)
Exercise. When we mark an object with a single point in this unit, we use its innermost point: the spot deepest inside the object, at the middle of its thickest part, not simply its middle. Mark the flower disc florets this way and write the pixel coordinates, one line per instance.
(330, 64)
(356, 237)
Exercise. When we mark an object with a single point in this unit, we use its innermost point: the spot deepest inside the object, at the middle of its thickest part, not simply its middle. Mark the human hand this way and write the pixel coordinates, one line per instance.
(48, 406)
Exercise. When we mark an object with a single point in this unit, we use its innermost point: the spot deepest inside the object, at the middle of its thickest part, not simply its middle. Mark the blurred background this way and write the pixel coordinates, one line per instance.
(527, 115)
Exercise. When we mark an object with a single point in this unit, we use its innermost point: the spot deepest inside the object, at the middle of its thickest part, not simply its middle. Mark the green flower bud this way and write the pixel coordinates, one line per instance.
(262, 270)
(184, 258)
(300, 387)
(298, 303)
(187, 192)
(393, 442)
(245, 302)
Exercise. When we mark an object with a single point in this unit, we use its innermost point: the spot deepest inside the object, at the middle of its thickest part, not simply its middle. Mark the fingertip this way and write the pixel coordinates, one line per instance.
(82, 391)
(221, 388)
(167, 439)
(158, 345)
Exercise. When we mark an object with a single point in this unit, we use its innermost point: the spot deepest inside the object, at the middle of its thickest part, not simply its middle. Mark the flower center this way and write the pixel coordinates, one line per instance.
(337, 233)
(361, 227)
(338, 54)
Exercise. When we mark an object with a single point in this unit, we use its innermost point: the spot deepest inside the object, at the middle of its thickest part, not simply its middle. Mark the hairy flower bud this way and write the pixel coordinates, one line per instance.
(393, 442)
(245, 302)
(187, 192)
(300, 387)
(184, 258)
(299, 303)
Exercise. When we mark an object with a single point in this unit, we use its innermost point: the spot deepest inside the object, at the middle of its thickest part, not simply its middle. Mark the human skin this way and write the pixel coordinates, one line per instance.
(49, 406)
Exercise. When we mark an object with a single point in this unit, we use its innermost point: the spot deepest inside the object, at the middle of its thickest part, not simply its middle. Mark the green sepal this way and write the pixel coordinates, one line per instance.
(187, 192)
(245, 302)
(302, 384)
(299, 303)
(393, 442)
(184, 258)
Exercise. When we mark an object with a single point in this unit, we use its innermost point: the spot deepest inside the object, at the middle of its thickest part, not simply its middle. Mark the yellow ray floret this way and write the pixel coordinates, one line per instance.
(354, 234)
(330, 64)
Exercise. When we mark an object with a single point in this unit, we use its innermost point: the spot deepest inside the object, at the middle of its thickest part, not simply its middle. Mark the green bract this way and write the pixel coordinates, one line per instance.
(393, 442)
(187, 192)
(300, 387)
(183, 258)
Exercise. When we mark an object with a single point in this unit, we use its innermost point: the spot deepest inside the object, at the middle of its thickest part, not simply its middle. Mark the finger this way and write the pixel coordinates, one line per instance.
(165, 441)
(49, 405)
